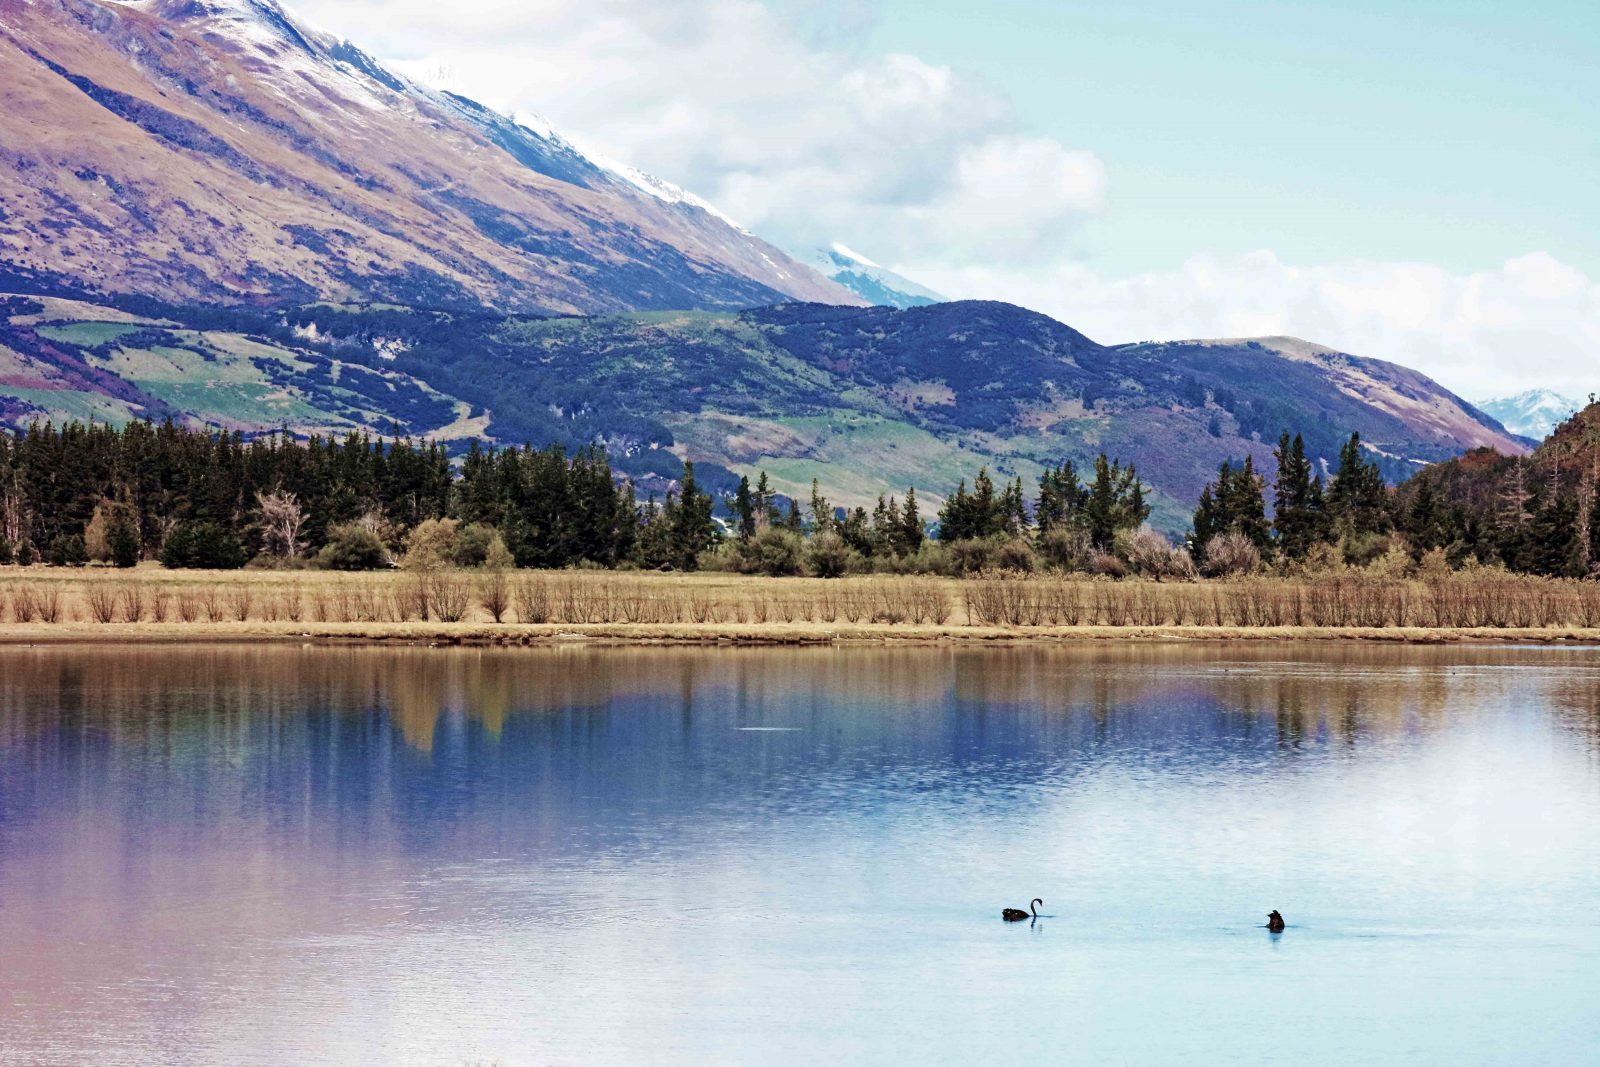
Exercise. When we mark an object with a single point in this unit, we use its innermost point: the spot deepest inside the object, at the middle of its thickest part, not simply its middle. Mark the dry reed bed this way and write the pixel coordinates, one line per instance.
(1475, 601)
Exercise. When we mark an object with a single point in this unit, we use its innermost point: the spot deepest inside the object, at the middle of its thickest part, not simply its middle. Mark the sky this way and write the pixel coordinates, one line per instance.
(1415, 182)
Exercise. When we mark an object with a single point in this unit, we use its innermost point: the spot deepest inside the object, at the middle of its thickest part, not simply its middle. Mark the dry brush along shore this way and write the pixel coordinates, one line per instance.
(151, 603)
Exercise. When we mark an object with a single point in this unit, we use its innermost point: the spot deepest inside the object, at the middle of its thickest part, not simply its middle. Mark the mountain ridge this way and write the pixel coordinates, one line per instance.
(216, 150)
(866, 400)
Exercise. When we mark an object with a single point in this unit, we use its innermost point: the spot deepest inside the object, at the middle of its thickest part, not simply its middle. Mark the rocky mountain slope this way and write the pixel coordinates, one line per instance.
(864, 399)
(218, 151)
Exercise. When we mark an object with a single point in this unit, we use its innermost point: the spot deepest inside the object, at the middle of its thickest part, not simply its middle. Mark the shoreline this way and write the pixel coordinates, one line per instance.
(490, 635)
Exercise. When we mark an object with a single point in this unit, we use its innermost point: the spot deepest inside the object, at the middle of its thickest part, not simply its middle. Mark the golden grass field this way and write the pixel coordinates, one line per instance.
(151, 603)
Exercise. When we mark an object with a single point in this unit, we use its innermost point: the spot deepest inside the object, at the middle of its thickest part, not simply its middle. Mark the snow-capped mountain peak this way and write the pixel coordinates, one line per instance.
(840, 249)
(307, 169)
(1534, 413)
(872, 282)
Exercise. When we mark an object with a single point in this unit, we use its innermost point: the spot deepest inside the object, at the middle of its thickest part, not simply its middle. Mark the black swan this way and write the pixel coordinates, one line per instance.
(1275, 923)
(1016, 915)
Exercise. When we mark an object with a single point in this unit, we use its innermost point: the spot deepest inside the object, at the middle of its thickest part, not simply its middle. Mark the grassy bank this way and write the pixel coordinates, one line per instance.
(150, 603)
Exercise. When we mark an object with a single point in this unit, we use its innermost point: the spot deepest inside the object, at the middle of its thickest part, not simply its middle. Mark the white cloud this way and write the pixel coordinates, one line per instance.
(773, 112)
(778, 114)
(1533, 321)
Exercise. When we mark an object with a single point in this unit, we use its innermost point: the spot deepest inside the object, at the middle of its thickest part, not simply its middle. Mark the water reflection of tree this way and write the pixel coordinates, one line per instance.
(421, 735)
(1340, 691)
(1576, 702)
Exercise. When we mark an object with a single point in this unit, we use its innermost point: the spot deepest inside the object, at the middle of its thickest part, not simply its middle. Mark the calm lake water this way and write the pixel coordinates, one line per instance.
(232, 855)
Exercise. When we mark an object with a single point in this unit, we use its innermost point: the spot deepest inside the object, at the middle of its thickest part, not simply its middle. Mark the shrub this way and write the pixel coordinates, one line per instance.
(27, 555)
(353, 546)
(1231, 554)
(1016, 555)
(102, 599)
(7, 554)
(67, 550)
(970, 556)
(1153, 556)
(1108, 565)
(775, 551)
(497, 557)
(474, 544)
(432, 545)
(203, 546)
(1395, 562)
(450, 597)
(533, 600)
(1067, 548)
(1361, 549)
(494, 593)
(827, 556)
(1181, 565)
(931, 557)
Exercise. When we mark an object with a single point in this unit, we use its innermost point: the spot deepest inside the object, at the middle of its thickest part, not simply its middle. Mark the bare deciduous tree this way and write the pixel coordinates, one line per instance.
(281, 523)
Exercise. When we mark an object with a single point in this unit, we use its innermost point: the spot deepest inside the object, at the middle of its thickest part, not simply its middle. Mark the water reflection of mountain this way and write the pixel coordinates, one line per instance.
(530, 749)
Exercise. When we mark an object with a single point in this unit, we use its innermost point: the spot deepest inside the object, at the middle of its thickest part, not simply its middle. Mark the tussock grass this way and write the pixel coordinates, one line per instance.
(1354, 600)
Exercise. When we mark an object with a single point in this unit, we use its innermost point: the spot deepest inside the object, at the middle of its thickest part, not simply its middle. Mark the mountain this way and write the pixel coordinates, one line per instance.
(217, 151)
(211, 213)
(1533, 414)
(874, 284)
(866, 400)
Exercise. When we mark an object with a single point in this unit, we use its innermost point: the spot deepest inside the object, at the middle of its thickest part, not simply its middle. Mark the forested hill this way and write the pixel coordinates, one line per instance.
(1537, 513)
(863, 399)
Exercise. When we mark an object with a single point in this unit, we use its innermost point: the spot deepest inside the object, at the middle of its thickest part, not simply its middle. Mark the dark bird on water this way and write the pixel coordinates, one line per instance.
(1016, 915)
(1275, 923)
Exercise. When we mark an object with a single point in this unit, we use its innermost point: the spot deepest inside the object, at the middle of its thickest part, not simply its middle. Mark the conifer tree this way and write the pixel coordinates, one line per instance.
(1013, 512)
(955, 518)
(911, 531)
(1358, 498)
(765, 504)
(1297, 499)
(693, 529)
(984, 519)
(1234, 503)
(744, 509)
(122, 539)
(1115, 502)
(1061, 498)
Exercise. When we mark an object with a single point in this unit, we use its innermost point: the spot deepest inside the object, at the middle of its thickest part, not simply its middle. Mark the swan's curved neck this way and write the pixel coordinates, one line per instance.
(1033, 909)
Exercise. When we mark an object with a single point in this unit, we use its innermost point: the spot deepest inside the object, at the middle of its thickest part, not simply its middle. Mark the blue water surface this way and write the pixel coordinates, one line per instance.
(232, 855)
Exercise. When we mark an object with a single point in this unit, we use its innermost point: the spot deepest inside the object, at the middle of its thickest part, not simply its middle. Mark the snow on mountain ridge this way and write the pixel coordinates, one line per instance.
(841, 249)
(1534, 413)
(874, 283)
(251, 157)
(265, 25)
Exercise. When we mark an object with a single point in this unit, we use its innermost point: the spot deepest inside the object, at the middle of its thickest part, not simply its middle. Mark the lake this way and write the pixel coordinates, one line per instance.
(306, 855)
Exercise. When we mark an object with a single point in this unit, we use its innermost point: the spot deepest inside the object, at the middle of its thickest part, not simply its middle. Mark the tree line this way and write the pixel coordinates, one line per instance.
(193, 498)
(1520, 513)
